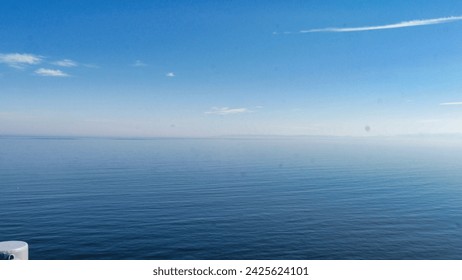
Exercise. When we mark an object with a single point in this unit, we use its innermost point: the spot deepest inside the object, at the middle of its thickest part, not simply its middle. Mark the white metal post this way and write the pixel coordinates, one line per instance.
(14, 250)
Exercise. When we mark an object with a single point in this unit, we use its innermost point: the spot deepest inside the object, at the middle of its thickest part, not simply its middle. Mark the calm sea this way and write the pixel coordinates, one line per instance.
(260, 198)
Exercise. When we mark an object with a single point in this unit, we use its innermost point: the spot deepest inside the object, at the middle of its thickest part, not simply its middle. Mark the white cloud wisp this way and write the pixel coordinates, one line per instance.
(18, 60)
(227, 111)
(50, 73)
(451, 104)
(139, 63)
(403, 24)
(66, 63)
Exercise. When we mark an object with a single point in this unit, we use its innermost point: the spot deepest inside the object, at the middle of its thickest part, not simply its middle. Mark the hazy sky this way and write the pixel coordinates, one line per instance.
(204, 68)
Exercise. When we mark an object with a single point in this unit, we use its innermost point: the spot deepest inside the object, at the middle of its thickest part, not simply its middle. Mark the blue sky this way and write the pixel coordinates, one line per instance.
(209, 68)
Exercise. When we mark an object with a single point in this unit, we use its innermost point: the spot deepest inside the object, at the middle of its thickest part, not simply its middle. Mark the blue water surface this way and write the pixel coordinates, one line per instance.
(255, 198)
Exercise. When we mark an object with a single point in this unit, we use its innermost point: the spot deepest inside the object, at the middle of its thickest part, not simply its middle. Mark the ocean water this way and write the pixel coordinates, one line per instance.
(256, 198)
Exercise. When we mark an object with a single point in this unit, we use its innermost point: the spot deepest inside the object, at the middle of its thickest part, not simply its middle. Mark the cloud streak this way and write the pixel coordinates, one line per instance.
(139, 63)
(66, 63)
(50, 73)
(451, 104)
(18, 60)
(403, 24)
(227, 111)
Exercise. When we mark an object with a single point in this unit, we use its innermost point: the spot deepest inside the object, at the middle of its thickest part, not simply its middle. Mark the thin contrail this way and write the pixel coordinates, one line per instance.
(451, 103)
(403, 24)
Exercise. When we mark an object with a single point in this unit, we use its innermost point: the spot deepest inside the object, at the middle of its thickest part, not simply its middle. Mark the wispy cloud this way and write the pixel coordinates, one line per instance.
(18, 60)
(139, 63)
(170, 74)
(66, 63)
(403, 24)
(226, 111)
(451, 103)
(50, 72)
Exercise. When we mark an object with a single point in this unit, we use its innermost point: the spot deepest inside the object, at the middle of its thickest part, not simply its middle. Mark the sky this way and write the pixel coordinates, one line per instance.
(215, 68)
